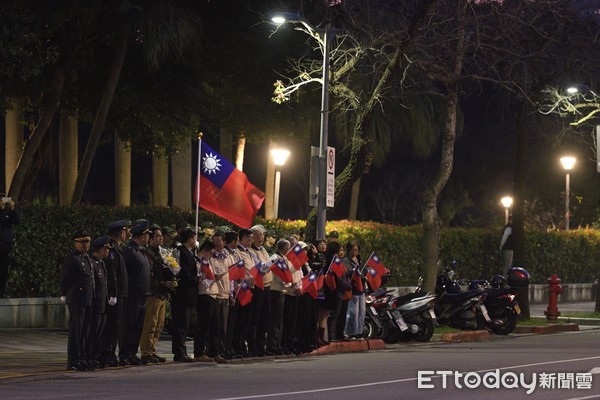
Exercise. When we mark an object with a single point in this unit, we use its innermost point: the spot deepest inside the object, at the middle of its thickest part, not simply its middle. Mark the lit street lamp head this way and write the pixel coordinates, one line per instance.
(568, 162)
(278, 17)
(506, 201)
(280, 156)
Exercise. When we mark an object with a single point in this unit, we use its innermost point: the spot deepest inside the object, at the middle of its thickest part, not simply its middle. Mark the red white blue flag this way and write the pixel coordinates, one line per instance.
(297, 256)
(237, 271)
(225, 190)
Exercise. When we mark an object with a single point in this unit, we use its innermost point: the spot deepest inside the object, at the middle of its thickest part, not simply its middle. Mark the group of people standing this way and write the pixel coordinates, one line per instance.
(118, 293)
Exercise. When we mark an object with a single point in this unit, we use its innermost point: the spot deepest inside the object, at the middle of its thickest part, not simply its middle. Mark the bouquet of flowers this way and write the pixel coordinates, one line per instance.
(171, 257)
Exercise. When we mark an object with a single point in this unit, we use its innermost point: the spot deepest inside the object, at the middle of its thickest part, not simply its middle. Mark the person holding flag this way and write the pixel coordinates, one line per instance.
(246, 237)
(332, 307)
(261, 299)
(278, 285)
(231, 247)
(355, 314)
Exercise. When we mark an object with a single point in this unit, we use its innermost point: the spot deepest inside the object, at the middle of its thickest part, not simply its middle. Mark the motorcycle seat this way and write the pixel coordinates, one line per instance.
(458, 297)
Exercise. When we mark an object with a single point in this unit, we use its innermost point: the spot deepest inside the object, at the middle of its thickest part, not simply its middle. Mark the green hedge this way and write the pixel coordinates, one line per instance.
(42, 240)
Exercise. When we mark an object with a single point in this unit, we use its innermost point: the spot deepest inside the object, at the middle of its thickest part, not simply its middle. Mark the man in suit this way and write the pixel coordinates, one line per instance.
(77, 288)
(185, 297)
(138, 272)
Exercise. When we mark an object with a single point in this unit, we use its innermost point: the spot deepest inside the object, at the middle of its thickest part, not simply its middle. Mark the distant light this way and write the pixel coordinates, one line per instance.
(572, 90)
(278, 19)
(568, 162)
(280, 156)
(506, 201)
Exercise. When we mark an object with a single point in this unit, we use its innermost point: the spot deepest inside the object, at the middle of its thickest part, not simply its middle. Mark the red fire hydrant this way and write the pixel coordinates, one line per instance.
(554, 289)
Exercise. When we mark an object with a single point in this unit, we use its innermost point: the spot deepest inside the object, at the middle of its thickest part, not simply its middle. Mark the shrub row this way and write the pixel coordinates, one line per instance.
(42, 240)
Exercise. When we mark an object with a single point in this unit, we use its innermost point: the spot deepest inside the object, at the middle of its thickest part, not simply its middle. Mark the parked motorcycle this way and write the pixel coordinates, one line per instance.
(457, 308)
(375, 314)
(406, 317)
(501, 305)
(414, 315)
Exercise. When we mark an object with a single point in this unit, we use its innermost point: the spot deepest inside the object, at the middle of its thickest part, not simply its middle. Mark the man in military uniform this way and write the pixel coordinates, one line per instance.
(100, 249)
(161, 285)
(138, 272)
(77, 288)
(117, 285)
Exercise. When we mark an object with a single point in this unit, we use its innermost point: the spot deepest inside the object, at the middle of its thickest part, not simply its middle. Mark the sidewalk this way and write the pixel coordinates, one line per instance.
(31, 353)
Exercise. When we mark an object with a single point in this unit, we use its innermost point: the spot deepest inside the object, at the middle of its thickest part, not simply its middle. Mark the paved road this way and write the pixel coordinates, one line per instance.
(390, 374)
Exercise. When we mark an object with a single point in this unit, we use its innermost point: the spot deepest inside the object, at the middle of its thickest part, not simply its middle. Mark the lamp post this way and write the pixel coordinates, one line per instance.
(281, 18)
(567, 162)
(506, 202)
(280, 156)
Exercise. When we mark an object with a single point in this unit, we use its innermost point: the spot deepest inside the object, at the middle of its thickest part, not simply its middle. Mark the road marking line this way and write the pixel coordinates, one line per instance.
(584, 398)
(406, 380)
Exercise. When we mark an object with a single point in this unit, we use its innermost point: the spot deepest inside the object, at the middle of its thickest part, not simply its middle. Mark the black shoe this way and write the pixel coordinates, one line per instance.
(149, 360)
(183, 359)
(134, 360)
(159, 358)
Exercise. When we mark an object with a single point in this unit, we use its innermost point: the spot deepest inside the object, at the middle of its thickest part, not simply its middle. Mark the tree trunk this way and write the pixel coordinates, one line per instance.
(520, 185)
(122, 173)
(47, 111)
(181, 177)
(354, 200)
(160, 180)
(102, 112)
(226, 144)
(431, 194)
(239, 154)
(13, 143)
(270, 183)
(68, 158)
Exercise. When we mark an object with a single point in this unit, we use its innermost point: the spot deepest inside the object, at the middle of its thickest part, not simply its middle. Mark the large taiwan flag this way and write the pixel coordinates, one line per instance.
(225, 190)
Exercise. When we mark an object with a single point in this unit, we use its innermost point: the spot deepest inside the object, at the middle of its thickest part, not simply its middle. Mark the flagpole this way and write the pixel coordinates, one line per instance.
(198, 178)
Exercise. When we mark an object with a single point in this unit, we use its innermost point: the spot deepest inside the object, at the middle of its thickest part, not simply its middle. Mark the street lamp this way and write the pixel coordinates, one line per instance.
(328, 34)
(567, 162)
(280, 156)
(506, 202)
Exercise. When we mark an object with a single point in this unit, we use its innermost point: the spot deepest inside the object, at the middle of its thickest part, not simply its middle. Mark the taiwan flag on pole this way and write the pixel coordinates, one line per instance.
(205, 269)
(281, 269)
(225, 190)
(257, 274)
(375, 263)
(297, 256)
(244, 294)
(309, 284)
(336, 267)
(357, 280)
(237, 271)
(373, 278)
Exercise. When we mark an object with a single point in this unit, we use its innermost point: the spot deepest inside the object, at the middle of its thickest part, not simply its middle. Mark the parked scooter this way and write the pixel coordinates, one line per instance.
(501, 305)
(414, 315)
(456, 308)
(375, 314)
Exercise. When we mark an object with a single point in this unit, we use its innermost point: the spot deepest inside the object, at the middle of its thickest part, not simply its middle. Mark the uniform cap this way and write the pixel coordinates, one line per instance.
(140, 228)
(102, 241)
(82, 234)
(118, 225)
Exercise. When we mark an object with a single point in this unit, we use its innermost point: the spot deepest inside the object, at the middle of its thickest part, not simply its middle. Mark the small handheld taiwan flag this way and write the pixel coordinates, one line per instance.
(257, 274)
(373, 278)
(244, 294)
(237, 271)
(375, 263)
(205, 269)
(297, 256)
(357, 280)
(281, 269)
(309, 284)
(336, 267)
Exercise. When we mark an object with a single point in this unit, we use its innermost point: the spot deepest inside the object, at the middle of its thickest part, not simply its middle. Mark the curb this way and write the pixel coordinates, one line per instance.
(547, 329)
(350, 347)
(467, 336)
